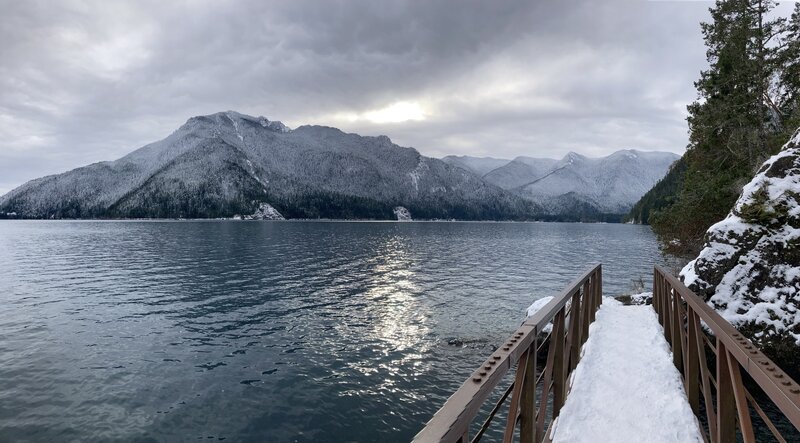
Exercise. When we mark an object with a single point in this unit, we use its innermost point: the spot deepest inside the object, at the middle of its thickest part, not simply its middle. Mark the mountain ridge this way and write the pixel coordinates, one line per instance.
(577, 185)
(224, 164)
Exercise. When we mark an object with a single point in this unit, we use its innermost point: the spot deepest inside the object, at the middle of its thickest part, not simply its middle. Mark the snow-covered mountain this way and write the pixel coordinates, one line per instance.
(478, 165)
(228, 163)
(578, 185)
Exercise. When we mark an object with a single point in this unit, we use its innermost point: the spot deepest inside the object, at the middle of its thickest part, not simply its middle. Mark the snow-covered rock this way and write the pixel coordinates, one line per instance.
(265, 211)
(749, 269)
(402, 214)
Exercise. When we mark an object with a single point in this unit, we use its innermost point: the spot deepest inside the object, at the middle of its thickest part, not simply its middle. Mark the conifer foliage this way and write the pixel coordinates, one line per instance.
(747, 105)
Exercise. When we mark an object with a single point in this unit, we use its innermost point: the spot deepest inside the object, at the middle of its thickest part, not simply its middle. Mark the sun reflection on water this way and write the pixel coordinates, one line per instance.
(401, 320)
(398, 336)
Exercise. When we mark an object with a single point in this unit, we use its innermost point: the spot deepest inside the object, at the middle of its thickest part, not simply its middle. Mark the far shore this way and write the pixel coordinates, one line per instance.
(305, 220)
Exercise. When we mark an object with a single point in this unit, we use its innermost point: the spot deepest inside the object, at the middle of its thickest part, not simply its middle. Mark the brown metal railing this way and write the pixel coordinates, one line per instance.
(571, 313)
(722, 402)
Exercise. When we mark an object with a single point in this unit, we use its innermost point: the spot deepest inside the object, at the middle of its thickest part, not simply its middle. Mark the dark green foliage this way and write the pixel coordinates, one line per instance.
(788, 66)
(661, 196)
(316, 205)
(225, 189)
(759, 210)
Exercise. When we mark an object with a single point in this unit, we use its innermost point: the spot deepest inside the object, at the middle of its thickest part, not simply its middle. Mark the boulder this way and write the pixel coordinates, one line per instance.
(749, 268)
(402, 213)
(265, 211)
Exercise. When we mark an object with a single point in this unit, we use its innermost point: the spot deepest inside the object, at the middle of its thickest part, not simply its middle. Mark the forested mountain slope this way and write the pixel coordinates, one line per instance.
(228, 163)
(577, 187)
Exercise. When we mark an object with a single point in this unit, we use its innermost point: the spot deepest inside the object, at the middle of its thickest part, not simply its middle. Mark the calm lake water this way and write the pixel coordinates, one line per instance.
(270, 331)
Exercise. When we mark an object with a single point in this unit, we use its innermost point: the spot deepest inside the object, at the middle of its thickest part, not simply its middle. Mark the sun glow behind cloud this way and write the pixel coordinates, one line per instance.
(85, 81)
(397, 112)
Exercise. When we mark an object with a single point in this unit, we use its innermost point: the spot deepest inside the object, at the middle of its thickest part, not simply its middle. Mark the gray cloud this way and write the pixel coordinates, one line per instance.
(88, 81)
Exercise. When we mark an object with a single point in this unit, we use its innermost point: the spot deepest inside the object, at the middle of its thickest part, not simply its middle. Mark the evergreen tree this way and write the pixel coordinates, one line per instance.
(733, 125)
(787, 89)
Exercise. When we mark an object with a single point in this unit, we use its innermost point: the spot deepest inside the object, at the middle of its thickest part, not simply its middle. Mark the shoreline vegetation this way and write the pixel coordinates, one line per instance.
(748, 105)
(729, 206)
(337, 220)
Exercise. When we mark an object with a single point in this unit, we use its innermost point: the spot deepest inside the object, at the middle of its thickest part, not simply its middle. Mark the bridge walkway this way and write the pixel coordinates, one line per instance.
(626, 388)
(587, 368)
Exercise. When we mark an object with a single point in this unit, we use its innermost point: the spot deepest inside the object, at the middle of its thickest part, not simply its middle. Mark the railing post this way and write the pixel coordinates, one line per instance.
(708, 400)
(573, 335)
(662, 300)
(558, 362)
(677, 332)
(548, 376)
(519, 386)
(726, 405)
(742, 411)
(599, 288)
(655, 294)
(587, 306)
(527, 425)
(692, 364)
(667, 305)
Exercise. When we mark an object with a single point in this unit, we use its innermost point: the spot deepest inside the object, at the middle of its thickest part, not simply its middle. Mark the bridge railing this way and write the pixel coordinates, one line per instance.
(566, 321)
(720, 398)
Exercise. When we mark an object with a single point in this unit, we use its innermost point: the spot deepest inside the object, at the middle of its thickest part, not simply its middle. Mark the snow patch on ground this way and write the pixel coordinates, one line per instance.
(625, 388)
(414, 179)
(417, 173)
(235, 126)
(641, 298)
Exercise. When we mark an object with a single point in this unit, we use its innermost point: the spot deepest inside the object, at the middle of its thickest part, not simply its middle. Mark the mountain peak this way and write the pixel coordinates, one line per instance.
(275, 125)
(626, 153)
(573, 157)
(233, 118)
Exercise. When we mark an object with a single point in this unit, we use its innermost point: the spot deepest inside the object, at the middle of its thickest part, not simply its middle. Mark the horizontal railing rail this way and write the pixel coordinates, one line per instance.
(721, 401)
(569, 315)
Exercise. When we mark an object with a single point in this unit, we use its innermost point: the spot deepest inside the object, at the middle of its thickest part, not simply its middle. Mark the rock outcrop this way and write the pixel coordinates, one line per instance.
(265, 211)
(749, 268)
(402, 214)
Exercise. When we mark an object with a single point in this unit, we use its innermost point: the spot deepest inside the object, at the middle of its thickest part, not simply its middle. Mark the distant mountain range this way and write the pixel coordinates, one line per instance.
(228, 164)
(575, 187)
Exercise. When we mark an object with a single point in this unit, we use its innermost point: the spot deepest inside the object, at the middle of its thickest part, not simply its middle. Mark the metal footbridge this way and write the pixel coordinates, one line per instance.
(527, 390)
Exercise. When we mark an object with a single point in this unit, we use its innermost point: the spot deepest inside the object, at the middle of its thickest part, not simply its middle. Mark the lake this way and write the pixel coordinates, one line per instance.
(270, 331)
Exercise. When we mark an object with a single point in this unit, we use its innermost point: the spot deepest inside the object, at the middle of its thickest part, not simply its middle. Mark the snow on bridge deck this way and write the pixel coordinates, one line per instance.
(625, 388)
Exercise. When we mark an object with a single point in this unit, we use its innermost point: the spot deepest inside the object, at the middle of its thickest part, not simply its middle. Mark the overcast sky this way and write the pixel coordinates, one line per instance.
(84, 81)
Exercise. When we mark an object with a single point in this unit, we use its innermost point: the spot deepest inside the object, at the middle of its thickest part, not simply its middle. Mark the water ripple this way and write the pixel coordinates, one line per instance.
(173, 331)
